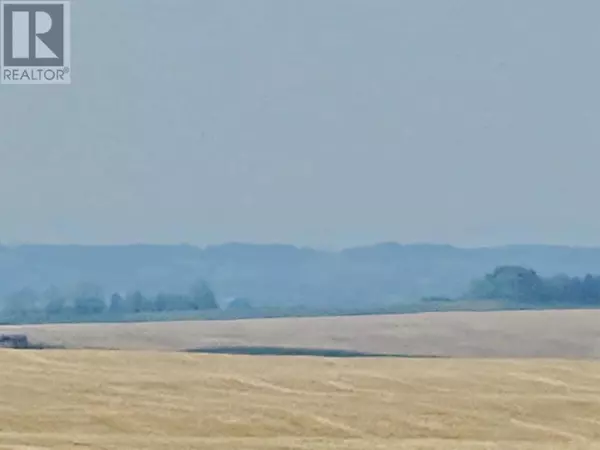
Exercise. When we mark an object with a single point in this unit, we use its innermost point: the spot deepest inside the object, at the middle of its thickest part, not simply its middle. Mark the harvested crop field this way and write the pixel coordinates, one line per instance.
(157, 400)
(548, 334)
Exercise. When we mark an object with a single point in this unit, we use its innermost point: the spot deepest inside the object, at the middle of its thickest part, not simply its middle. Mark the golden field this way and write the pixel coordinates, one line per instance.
(546, 334)
(90, 399)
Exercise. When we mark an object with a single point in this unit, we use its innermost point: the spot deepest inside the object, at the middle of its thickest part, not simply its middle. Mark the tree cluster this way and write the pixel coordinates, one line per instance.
(522, 285)
(88, 299)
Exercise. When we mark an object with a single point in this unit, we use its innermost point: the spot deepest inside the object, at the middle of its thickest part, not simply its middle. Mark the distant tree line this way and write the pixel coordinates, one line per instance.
(89, 299)
(509, 286)
(522, 285)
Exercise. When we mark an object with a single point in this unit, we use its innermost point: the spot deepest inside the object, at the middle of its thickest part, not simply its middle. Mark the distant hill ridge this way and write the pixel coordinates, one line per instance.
(277, 275)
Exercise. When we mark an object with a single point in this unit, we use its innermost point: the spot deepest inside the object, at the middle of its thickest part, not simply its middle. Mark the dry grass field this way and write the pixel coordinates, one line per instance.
(549, 334)
(111, 400)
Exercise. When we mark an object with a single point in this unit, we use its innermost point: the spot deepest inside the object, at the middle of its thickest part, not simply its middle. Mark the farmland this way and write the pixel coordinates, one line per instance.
(58, 399)
(549, 334)
(504, 380)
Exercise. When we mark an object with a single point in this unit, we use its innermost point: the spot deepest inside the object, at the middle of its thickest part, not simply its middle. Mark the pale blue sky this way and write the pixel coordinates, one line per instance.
(319, 122)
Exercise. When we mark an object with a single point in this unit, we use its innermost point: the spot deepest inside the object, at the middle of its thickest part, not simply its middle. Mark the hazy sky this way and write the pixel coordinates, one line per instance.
(320, 122)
